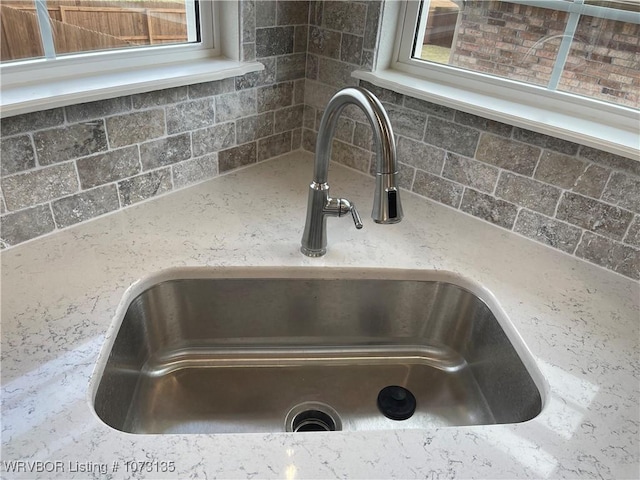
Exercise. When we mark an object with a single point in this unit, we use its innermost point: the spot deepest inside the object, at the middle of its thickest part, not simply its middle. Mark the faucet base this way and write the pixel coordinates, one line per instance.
(313, 253)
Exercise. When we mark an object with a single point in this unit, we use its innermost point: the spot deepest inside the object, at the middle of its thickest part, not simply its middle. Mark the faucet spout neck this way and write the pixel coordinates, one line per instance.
(383, 139)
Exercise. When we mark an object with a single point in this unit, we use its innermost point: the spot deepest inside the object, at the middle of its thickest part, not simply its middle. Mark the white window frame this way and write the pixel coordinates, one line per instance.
(572, 117)
(43, 83)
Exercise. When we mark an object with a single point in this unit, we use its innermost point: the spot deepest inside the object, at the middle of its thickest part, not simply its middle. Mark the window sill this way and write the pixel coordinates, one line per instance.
(621, 139)
(29, 98)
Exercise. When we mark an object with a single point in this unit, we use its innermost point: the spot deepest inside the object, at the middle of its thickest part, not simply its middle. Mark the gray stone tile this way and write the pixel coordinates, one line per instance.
(274, 41)
(274, 97)
(610, 160)
(406, 173)
(85, 205)
(437, 188)
(209, 89)
(16, 154)
(612, 255)
(315, 12)
(351, 111)
(547, 230)
(165, 151)
(291, 67)
(135, 127)
(24, 190)
(141, 187)
(406, 122)
(633, 235)
(108, 167)
(288, 118)
(309, 117)
(572, 173)
(274, 145)
(362, 135)
(349, 17)
(265, 13)
(594, 215)
(195, 170)
(559, 169)
(298, 91)
(368, 57)
(505, 153)
(296, 139)
(160, 97)
(451, 136)
(484, 124)
(237, 157)
(300, 39)
(312, 67)
(190, 115)
(528, 193)
(351, 49)
(258, 79)
(592, 181)
(61, 144)
(99, 109)
(374, 7)
(212, 139)
(344, 129)
(249, 129)
(248, 20)
(489, 208)
(31, 121)
(383, 94)
(351, 156)
(335, 73)
(309, 140)
(293, 12)
(545, 141)
(235, 105)
(623, 190)
(248, 52)
(26, 224)
(470, 172)
(420, 155)
(429, 108)
(324, 42)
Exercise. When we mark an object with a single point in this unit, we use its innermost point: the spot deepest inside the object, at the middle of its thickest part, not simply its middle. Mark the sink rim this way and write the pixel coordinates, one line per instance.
(308, 272)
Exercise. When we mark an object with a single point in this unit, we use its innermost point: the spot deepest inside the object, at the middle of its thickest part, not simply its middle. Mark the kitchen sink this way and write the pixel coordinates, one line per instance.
(230, 350)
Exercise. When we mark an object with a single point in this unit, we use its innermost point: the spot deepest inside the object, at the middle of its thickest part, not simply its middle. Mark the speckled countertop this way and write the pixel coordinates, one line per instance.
(60, 293)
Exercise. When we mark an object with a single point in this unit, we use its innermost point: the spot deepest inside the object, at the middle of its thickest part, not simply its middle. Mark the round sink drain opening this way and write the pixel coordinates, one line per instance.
(312, 417)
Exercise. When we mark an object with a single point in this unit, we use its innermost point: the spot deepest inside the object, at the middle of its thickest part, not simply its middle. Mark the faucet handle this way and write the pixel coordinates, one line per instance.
(356, 217)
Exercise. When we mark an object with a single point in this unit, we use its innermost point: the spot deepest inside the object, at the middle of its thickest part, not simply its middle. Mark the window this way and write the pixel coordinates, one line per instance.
(60, 52)
(589, 49)
(567, 68)
(50, 29)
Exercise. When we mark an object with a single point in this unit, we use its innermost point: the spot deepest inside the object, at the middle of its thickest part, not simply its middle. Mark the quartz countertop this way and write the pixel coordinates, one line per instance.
(60, 294)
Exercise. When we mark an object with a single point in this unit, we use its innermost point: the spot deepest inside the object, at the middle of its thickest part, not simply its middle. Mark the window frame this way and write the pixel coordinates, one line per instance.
(41, 83)
(596, 123)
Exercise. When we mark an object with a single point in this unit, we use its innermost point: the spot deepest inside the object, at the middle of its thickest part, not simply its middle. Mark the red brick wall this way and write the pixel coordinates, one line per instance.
(521, 42)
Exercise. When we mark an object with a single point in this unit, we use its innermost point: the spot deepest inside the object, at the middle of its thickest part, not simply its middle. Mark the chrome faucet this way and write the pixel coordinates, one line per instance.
(386, 201)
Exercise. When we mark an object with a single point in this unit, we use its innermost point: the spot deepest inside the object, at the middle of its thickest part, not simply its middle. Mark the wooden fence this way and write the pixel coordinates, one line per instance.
(87, 25)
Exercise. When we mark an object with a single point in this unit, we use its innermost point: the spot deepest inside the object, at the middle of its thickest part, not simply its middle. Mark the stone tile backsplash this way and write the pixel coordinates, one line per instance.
(67, 165)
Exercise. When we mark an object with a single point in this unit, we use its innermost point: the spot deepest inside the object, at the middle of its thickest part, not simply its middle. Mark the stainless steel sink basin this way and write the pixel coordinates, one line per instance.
(269, 350)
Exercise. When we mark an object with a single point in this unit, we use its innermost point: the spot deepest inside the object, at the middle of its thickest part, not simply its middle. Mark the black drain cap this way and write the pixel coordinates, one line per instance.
(396, 403)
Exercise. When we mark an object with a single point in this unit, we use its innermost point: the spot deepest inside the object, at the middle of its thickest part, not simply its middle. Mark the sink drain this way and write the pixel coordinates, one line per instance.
(396, 403)
(312, 417)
